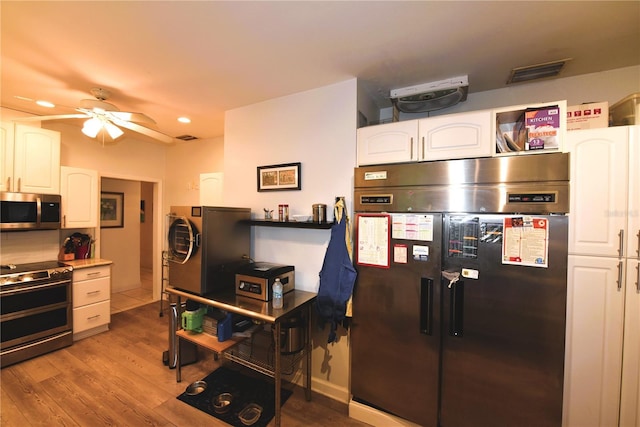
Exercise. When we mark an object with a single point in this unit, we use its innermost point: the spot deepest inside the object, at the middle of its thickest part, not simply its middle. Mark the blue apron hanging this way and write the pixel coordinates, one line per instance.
(337, 276)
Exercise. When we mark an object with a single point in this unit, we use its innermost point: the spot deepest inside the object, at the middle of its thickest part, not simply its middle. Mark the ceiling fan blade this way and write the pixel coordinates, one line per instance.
(56, 117)
(132, 117)
(145, 131)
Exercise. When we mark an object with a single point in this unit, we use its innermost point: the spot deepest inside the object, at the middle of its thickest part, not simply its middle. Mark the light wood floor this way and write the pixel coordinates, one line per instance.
(127, 300)
(117, 378)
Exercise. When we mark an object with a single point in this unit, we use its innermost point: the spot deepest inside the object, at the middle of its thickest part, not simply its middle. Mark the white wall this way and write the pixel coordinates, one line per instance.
(318, 129)
(185, 162)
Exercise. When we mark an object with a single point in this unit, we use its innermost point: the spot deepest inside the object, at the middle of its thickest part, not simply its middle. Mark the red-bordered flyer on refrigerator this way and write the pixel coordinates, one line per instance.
(373, 236)
(526, 241)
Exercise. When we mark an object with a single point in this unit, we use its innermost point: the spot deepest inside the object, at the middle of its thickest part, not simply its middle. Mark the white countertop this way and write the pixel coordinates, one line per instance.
(86, 263)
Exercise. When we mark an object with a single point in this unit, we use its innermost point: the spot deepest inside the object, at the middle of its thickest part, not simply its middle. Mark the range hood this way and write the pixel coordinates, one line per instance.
(431, 96)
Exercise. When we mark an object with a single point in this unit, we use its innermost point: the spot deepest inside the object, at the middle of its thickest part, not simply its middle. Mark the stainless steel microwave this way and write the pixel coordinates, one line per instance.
(28, 211)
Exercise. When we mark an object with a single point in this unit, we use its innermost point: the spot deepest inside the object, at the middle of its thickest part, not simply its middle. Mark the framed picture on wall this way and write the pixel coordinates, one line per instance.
(111, 210)
(279, 177)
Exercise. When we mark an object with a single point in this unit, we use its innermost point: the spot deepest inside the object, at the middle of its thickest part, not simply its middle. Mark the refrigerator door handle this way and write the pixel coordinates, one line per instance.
(426, 306)
(456, 295)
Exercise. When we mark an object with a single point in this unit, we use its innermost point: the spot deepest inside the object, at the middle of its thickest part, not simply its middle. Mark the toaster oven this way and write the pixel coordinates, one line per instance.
(255, 280)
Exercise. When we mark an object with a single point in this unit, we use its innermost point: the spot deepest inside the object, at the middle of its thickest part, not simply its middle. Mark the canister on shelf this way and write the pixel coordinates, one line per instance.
(283, 213)
(319, 213)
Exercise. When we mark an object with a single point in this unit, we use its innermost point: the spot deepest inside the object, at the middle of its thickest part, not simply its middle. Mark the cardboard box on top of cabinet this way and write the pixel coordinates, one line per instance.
(543, 127)
(588, 116)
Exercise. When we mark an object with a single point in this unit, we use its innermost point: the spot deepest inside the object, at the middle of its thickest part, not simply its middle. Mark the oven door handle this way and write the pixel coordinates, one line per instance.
(17, 290)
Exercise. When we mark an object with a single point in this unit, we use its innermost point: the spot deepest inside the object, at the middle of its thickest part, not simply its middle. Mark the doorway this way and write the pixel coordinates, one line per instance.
(133, 246)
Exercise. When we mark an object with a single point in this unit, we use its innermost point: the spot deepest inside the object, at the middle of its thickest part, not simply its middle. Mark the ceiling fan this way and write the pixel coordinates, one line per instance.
(105, 118)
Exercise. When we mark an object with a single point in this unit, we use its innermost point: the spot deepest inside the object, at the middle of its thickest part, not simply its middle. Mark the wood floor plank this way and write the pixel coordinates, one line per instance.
(117, 378)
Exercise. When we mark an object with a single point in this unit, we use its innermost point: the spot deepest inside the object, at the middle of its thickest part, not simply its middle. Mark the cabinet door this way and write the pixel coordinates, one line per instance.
(599, 183)
(630, 396)
(593, 354)
(6, 156)
(633, 227)
(37, 160)
(390, 143)
(456, 136)
(79, 189)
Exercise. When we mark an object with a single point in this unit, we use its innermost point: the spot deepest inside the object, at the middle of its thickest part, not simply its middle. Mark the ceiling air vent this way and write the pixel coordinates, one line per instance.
(186, 137)
(431, 96)
(538, 71)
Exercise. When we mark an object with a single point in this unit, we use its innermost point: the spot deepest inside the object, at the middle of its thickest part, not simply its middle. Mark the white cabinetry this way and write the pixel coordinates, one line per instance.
(456, 136)
(30, 160)
(91, 300)
(6, 155)
(603, 306)
(79, 190)
(389, 143)
(451, 136)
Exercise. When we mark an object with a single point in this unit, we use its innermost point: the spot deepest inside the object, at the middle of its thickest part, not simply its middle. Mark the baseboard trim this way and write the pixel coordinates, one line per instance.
(375, 417)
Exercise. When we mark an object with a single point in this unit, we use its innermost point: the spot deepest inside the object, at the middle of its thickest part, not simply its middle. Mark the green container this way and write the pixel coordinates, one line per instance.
(192, 320)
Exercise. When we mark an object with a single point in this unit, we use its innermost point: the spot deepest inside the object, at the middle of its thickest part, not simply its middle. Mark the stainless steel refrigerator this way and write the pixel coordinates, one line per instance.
(459, 306)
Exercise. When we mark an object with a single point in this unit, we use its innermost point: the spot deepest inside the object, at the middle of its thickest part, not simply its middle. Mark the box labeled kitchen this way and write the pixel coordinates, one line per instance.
(588, 116)
(530, 128)
(543, 128)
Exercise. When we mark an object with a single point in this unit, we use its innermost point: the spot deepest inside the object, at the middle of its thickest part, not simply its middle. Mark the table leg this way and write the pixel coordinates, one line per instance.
(307, 350)
(277, 371)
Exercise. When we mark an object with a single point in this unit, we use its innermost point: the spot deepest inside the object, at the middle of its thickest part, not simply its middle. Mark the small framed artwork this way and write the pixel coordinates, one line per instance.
(111, 210)
(279, 177)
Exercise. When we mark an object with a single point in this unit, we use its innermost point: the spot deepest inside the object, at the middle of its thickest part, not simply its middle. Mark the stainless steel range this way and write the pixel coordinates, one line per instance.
(35, 310)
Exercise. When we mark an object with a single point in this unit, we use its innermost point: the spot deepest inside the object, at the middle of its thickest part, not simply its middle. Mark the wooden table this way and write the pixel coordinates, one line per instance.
(295, 302)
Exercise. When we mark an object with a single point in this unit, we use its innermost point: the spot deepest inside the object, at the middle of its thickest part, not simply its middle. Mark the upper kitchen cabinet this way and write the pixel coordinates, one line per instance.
(389, 143)
(456, 136)
(30, 159)
(79, 191)
(605, 193)
(529, 129)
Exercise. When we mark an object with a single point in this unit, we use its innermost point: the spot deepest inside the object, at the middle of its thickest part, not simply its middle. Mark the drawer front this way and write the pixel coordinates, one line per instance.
(91, 273)
(91, 316)
(91, 291)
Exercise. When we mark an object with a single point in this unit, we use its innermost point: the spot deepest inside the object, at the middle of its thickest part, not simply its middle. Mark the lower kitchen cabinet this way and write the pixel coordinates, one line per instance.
(603, 343)
(630, 396)
(91, 300)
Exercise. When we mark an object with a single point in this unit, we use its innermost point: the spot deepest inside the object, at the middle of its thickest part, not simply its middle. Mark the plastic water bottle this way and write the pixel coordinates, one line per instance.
(277, 294)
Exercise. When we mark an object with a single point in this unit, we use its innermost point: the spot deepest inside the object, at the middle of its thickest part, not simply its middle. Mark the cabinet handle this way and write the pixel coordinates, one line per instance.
(19, 185)
(638, 278)
(93, 317)
(619, 275)
(411, 145)
(8, 183)
(456, 301)
(64, 221)
(96, 273)
(426, 306)
(93, 292)
(621, 242)
(638, 247)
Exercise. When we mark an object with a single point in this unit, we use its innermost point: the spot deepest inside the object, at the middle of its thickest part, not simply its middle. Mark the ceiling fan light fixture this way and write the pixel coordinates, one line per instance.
(113, 130)
(92, 127)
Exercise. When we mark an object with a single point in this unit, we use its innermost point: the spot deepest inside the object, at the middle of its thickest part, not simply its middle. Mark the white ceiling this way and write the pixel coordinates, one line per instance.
(173, 58)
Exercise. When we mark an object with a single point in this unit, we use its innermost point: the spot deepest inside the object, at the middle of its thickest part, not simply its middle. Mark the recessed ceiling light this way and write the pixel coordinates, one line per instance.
(45, 104)
(184, 119)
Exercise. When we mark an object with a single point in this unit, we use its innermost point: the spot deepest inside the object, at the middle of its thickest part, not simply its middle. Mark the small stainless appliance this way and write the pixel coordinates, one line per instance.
(36, 310)
(27, 211)
(206, 245)
(256, 279)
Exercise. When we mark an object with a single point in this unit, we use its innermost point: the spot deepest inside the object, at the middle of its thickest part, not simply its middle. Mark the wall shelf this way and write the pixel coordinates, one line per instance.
(290, 224)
